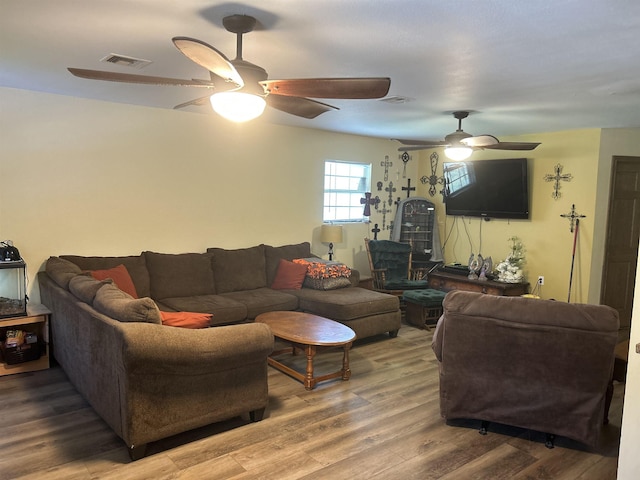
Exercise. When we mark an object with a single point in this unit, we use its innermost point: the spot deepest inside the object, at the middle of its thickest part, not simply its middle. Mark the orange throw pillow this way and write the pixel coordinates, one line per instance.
(120, 276)
(186, 319)
(289, 276)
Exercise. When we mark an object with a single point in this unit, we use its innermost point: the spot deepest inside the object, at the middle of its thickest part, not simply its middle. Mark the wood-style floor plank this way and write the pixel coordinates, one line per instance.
(384, 423)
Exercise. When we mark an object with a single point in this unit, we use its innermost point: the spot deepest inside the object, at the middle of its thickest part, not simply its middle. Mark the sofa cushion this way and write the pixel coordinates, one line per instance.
(225, 310)
(61, 271)
(290, 275)
(263, 300)
(239, 269)
(85, 287)
(120, 276)
(180, 275)
(345, 303)
(288, 252)
(115, 303)
(135, 265)
(186, 319)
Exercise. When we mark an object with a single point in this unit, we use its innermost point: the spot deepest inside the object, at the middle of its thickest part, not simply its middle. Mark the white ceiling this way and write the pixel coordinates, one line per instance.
(521, 66)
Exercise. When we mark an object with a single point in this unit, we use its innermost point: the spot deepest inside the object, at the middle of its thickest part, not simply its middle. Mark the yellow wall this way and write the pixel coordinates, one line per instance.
(546, 235)
(92, 178)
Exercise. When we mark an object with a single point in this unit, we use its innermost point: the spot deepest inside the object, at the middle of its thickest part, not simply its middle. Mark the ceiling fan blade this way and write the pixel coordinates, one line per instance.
(409, 148)
(210, 58)
(199, 102)
(347, 88)
(425, 143)
(144, 79)
(301, 107)
(512, 146)
(483, 141)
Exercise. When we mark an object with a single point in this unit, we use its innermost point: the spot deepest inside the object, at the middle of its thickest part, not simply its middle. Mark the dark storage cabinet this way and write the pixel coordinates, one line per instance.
(415, 223)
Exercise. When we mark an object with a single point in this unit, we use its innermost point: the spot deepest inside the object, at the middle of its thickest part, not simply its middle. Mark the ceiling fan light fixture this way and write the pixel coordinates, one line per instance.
(238, 106)
(458, 153)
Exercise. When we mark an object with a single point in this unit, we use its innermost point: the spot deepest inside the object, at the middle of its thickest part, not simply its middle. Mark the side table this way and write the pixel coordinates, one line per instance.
(36, 321)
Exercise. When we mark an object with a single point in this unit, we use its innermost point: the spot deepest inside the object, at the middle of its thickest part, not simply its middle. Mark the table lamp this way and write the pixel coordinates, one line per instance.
(331, 234)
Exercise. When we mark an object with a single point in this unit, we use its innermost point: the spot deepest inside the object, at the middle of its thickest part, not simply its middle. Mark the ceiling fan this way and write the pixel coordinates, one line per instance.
(233, 80)
(459, 145)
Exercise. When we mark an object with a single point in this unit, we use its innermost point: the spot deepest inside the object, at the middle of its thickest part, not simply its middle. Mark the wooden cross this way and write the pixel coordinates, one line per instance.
(573, 216)
(367, 201)
(375, 230)
(386, 164)
(390, 189)
(556, 178)
(408, 188)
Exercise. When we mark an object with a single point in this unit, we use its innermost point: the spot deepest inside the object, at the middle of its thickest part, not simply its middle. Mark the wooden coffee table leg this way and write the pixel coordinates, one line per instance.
(346, 371)
(309, 381)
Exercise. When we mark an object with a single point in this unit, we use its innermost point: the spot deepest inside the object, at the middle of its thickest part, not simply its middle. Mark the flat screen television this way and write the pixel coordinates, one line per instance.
(487, 188)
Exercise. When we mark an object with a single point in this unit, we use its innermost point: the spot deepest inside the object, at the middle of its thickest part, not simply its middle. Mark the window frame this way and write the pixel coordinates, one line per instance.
(344, 185)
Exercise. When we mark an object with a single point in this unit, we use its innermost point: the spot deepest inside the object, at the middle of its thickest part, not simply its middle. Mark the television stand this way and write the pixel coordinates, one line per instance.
(451, 281)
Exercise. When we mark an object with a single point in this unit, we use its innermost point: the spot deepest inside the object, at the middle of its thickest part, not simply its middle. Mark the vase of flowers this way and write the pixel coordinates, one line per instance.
(510, 269)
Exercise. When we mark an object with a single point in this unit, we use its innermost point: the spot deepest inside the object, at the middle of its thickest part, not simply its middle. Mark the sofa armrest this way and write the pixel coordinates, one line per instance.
(355, 277)
(436, 341)
(178, 351)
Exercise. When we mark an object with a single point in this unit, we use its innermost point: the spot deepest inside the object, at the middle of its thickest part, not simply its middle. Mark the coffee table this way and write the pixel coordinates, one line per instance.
(307, 332)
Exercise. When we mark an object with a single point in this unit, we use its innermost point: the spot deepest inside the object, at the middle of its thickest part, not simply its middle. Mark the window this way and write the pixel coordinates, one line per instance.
(459, 177)
(345, 183)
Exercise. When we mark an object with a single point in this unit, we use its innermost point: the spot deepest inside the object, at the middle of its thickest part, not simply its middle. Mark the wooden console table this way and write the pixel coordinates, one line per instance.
(450, 281)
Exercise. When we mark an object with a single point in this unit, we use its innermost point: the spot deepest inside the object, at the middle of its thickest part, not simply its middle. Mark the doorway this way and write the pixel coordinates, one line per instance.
(623, 234)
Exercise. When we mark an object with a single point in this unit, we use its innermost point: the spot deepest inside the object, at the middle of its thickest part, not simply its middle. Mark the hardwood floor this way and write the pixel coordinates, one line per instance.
(384, 423)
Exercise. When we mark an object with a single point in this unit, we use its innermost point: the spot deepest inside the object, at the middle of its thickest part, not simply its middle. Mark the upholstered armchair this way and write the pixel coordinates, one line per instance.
(390, 264)
(535, 364)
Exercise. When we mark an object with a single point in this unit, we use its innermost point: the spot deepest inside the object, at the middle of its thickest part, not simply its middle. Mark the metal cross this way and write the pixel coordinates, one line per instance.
(390, 189)
(573, 216)
(384, 211)
(375, 230)
(408, 188)
(386, 164)
(405, 157)
(556, 178)
(433, 179)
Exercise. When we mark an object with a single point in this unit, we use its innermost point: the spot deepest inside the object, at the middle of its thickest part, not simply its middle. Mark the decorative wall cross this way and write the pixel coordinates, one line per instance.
(391, 189)
(433, 179)
(408, 188)
(375, 230)
(405, 157)
(573, 216)
(386, 164)
(556, 178)
(367, 201)
(384, 211)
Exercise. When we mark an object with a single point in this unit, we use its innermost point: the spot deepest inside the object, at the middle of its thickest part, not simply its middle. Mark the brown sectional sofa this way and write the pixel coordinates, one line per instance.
(149, 381)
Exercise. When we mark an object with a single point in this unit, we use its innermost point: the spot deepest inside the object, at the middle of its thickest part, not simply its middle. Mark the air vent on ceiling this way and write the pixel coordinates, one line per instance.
(125, 61)
(396, 99)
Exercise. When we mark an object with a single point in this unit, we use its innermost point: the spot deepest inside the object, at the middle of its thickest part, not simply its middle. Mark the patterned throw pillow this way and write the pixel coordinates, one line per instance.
(325, 275)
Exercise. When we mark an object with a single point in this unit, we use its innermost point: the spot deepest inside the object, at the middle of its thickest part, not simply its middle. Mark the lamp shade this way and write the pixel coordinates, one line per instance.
(331, 233)
(238, 106)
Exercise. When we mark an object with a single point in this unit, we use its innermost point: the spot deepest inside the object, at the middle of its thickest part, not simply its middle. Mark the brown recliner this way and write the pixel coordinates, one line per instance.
(536, 364)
